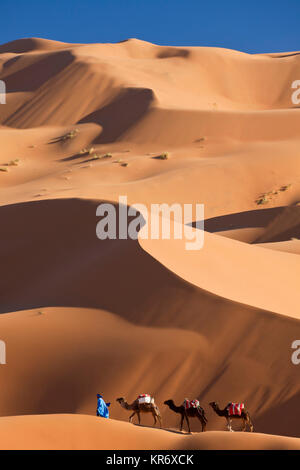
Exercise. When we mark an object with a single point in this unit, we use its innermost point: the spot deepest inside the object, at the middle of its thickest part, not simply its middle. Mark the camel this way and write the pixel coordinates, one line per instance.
(245, 417)
(139, 408)
(188, 413)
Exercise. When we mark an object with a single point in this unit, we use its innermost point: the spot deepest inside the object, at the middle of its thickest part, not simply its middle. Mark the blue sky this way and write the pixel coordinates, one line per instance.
(246, 25)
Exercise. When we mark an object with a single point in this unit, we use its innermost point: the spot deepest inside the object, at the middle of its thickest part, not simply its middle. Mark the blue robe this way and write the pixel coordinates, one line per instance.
(102, 408)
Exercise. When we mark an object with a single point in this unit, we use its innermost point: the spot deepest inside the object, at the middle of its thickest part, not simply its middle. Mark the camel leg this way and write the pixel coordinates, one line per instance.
(131, 416)
(229, 425)
(244, 424)
(159, 419)
(188, 423)
(154, 416)
(203, 424)
(139, 417)
(250, 423)
(181, 422)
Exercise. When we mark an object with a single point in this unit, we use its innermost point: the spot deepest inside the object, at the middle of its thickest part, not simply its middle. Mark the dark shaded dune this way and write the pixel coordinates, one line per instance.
(62, 235)
(170, 52)
(283, 56)
(238, 220)
(286, 225)
(279, 224)
(282, 414)
(20, 46)
(8, 63)
(63, 98)
(31, 77)
(119, 115)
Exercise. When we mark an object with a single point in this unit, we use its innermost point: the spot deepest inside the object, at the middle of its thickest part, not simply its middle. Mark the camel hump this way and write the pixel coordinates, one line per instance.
(235, 409)
(145, 398)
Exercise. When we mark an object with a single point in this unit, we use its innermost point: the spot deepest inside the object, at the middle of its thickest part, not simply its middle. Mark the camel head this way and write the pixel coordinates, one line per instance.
(168, 402)
(214, 405)
(120, 400)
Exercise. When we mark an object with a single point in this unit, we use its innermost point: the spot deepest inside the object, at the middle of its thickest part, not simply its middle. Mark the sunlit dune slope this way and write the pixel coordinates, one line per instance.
(74, 432)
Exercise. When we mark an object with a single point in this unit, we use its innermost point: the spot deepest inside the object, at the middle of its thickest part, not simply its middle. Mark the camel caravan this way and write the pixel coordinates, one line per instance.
(144, 403)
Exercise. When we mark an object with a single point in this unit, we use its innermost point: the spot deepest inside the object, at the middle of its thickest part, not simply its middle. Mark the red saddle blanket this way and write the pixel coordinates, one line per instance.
(191, 404)
(235, 409)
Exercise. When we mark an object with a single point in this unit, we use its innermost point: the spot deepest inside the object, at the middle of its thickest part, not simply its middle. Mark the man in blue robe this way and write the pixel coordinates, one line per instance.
(102, 407)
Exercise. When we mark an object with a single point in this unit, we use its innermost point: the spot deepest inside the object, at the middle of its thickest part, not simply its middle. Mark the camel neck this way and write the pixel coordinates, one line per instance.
(125, 405)
(174, 407)
(219, 412)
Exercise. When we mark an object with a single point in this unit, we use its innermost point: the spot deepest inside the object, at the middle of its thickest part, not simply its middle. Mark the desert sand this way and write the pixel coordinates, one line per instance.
(73, 432)
(81, 316)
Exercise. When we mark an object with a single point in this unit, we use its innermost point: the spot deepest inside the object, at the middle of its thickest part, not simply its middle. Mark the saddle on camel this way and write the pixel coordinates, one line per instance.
(144, 403)
(188, 409)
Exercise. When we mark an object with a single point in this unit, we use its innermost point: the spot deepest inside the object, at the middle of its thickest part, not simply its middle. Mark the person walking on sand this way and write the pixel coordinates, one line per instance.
(102, 407)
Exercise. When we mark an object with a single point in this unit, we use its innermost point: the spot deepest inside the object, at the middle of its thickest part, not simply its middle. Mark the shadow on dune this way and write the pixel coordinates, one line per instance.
(50, 255)
(119, 115)
(162, 429)
(19, 46)
(33, 76)
(280, 416)
(280, 223)
(76, 156)
(282, 56)
(238, 220)
(171, 52)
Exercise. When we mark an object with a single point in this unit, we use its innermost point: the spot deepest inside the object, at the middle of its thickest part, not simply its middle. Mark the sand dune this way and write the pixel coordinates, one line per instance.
(76, 269)
(190, 75)
(73, 432)
(243, 282)
(122, 317)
